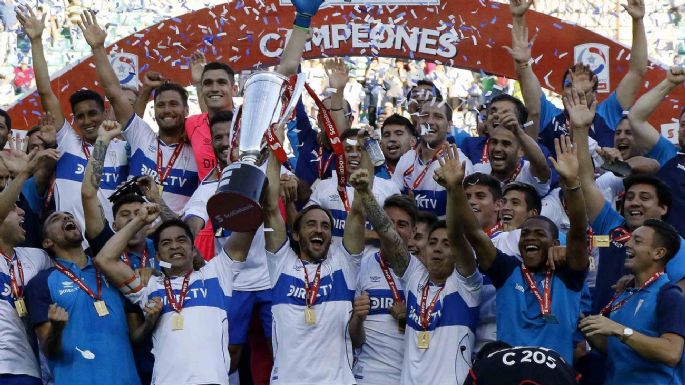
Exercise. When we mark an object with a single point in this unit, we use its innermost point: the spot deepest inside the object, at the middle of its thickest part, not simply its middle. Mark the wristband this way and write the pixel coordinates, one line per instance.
(335, 109)
(525, 65)
(303, 21)
(571, 189)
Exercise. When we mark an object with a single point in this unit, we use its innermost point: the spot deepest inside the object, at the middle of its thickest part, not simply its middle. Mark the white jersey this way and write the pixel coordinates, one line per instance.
(183, 177)
(198, 354)
(451, 329)
(379, 360)
(428, 194)
(254, 274)
(320, 353)
(72, 165)
(16, 355)
(325, 194)
(525, 175)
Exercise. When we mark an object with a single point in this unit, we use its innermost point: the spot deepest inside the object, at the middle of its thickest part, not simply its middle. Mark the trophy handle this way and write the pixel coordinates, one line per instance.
(297, 92)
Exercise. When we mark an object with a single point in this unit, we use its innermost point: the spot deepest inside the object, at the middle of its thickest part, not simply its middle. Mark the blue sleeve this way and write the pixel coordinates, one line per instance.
(675, 268)
(607, 220)
(38, 297)
(547, 112)
(501, 269)
(307, 146)
(611, 110)
(98, 243)
(31, 195)
(663, 151)
(670, 310)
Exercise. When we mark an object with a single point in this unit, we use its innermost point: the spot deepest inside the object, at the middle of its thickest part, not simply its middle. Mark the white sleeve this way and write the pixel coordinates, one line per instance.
(610, 185)
(413, 267)
(552, 208)
(197, 206)
(140, 297)
(349, 262)
(138, 133)
(315, 198)
(226, 270)
(526, 176)
(468, 164)
(469, 287)
(276, 261)
(398, 176)
(64, 136)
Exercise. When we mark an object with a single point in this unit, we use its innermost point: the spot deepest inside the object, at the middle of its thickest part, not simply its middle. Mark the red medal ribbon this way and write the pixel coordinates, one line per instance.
(177, 305)
(310, 293)
(515, 174)
(424, 313)
(51, 191)
(621, 235)
(80, 283)
(611, 307)
(423, 173)
(86, 150)
(277, 147)
(388, 277)
(163, 174)
(143, 259)
(17, 288)
(323, 168)
(494, 229)
(328, 124)
(546, 300)
(484, 155)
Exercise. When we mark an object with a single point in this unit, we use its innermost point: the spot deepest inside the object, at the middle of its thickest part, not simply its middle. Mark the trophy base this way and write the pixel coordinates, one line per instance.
(235, 206)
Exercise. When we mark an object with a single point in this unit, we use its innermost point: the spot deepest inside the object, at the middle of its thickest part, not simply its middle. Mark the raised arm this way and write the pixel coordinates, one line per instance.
(353, 234)
(34, 29)
(467, 223)
(95, 37)
(581, 117)
(197, 65)
(10, 194)
(109, 260)
(274, 225)
(645, 135)
(538, 164)
(567, 166)
(448, 176)
(394, 248)
(338, 75)
(631, 82)
(521, 52)
(149, 188)
(92, 177)
(292, 54)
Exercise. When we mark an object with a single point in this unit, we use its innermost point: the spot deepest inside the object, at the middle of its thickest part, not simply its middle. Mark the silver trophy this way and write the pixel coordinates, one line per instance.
(235, 206)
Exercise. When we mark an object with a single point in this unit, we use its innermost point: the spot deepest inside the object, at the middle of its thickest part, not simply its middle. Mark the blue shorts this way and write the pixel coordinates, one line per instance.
(240, 307)
(19, 379)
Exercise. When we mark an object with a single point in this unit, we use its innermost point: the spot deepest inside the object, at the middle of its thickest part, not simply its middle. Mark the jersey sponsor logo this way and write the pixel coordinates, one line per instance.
(6, 291)
(424, 202)
(300, 292)
(413, 313)
(194, 293)
(528, 356)
(520, 288)
(381, 302)
(334, 197)
(170, 180)
(67, 288)
(375, 279)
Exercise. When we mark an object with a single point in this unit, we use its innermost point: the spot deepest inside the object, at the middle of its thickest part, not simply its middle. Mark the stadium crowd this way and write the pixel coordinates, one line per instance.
(543, 246)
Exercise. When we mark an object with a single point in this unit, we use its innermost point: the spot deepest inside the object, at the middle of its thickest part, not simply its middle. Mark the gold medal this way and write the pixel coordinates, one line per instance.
(309, 316)
(101, 308)
(423, 340)
(160, 188)
(20, 305)
(176, 321)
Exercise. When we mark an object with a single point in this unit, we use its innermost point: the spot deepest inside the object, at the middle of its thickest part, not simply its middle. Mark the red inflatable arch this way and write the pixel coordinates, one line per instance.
(465, 33)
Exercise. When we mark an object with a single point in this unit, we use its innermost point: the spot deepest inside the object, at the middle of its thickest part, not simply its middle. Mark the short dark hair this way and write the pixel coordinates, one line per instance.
(351, 133)
(169, 86)
(533, 201)
(171, 223)
(426, 82)
(399, 120)
(663, 191)
(440, 224)
(521, 111)
(297, 223)
(220, 117)
(126, 199)
(215, 65)
(552, 226)
(8, 120)
(427, 217)
(665, 236)
(85, 95)
(438, 101)
(403, 203)
(480, 179)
